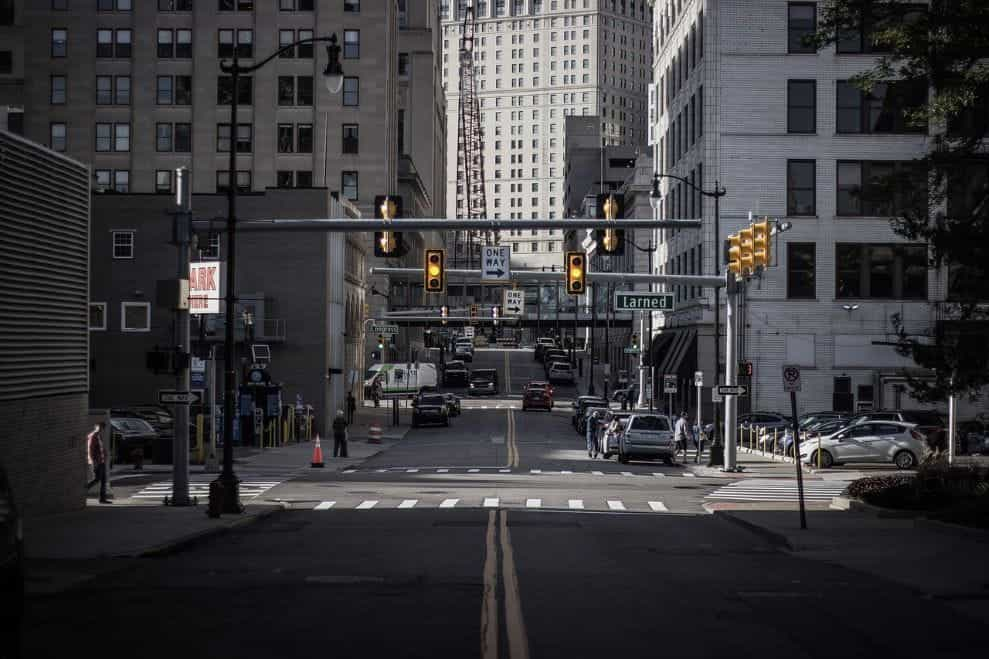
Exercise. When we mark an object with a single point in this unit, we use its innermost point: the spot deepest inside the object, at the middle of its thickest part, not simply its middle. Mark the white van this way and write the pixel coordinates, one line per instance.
(402, 379)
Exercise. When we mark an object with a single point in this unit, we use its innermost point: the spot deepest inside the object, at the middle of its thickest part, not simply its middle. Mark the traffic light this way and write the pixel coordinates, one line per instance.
(735, 254)
(381, 342)
(388, 243)
(745, 369)
(635, 340)
(760, 244)
(745, 240)
(496, 314)
(575, 272)
(435, 271)
(473, 311)
(444, 313)
(610, 241)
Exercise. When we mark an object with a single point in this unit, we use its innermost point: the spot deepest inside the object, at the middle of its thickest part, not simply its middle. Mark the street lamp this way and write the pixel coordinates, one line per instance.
(228, 486)
(655, 198)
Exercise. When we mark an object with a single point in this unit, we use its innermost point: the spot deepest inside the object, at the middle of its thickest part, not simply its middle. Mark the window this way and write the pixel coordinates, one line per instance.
(164, 137)
(174, 5)
(121, 180)
(104, 43)
(245, 44)
(183, 44)
(286, 38)
(223, 180)
(97, 315)
(303, 178)
(283, 178)
(57, 93)
(225, 43)
(351, 91)
(801, 271)
(183, 138)
(874, 270)
(862, 38)
(304, 90)
(801, 187)
(60, 42)
(123, 244)
(6, 62)
(286, 138)
(104, 179)
(224, 90)
(166, 45)
(121, 137)
(351, 138)
(244, 138)
(57, 137)
(165, 94)
(212, 248)
(111, 5)
(883, 110)
(801, 23)
(880, 188)
(163, 181)
(122, 43)
(104, 90)
(305, 138)
(305, 50)
(801, 106)
(353, 6)
(351, 44)
(296, 5)
(348, 185)
(104, 137)
(122, 92)
(135, 316)
(183, 90)
(403, 65)
(236, 5)
(286, 90)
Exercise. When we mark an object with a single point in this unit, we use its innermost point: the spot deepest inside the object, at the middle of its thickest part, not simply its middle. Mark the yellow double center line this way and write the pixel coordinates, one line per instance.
(499, 538)
(511, 441)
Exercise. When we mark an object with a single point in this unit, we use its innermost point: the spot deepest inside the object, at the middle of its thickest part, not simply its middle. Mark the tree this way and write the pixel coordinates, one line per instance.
(931, 73)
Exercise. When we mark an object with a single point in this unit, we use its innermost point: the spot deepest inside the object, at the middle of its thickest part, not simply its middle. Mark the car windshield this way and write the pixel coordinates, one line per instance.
(431, 400)
(650, 423)
(455, 366)
(560, 366)
(923, 417)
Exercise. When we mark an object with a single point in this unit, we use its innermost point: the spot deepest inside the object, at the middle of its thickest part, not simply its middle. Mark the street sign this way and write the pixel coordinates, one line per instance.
(631, 351)
(513, 302)
(469, 332)
(384, 329)
(204, 287)
(698, 378)
(715, 396)
(733, 390)
(791, 378)
(496, 263)
(669, 384)
(643, 301)
(175, 397)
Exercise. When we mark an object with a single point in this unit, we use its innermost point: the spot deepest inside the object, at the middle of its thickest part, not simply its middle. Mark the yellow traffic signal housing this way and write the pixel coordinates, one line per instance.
(444, 313)
(611, 241)
(576, 272)
(735, 254)
(760, 244)
(745, 238)
(388, 243)
(434, 272)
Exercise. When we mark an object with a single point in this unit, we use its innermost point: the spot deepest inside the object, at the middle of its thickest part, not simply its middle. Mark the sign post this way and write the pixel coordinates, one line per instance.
(496, 263)
(791, 383)
(699, 383)
(669, 388)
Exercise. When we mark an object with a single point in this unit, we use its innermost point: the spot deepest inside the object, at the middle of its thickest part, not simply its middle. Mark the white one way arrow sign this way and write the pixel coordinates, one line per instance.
(496, 263)
(514, 302)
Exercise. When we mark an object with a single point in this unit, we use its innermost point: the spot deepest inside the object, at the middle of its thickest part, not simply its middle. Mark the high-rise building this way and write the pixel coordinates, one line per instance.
(536, 63)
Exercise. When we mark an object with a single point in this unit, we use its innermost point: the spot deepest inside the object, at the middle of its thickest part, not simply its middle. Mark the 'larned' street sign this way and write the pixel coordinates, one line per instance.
(513, 301)
(384, 329)
(733, 390)
(174, 397)
(496, 263)
(643, 301)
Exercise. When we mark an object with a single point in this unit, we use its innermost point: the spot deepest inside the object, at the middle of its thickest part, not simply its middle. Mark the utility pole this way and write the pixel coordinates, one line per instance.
(607, 338)
(180, 444)
(593, 294)
(731, 372)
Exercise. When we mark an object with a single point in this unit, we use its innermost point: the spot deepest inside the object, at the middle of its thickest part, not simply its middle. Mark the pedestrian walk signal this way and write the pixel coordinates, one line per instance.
(388, 243)
(435, 271)
(575, 266)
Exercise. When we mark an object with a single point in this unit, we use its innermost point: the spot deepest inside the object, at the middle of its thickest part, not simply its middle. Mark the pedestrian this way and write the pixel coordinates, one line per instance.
(97, 458)
(351, 406)
(698, 442)
(340, 436)
(589, 427)
(376, 392)
(680, 432)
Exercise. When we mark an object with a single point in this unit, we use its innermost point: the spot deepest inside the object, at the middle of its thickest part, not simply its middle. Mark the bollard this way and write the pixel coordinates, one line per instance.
(775, 438)
(818, 451)
(200, 444)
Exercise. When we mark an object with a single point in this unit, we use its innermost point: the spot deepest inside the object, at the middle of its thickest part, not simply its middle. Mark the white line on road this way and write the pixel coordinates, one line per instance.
(689, 474)
(381, 471)
(533, 503)
(659, 474)
(627, 473)
(576, 504)
(449, 503)
(325, 505)
(408, 503)
(491, 502)
(566, 472)
(411, 471)
(658, 506)
(535, 471)
(597, 473)
(616, 505)
(473, 471)
(504, 471)
(366, 505)
(349, 471)
(442, 471)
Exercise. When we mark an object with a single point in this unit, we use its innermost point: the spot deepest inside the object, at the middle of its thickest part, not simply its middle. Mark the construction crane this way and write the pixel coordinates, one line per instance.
(471, 197)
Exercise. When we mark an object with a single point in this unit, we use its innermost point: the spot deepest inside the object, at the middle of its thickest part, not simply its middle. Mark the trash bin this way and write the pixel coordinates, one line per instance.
(161, 450)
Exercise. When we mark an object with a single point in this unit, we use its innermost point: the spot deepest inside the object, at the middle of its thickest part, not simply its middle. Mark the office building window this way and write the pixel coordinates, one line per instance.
(283, 178)
(403, 65)
(166, 43)
(236, 5)
(880, 188)
(224, 90)
(305, 50)
(286, 90)
(104, 137)
(123, 244)
(121, 181)
(303, 178)
(353, 6)
(801, 261)
(882, 110)
(244, 138)
(801, 187)
(351, 138)
(351, 44)
(348, 185)
(164, 95)
(295, 5)
(60, 42)
(862, 38)
(122, 44)
(211, 249)
(801, 106)
(183, 44)
(304, 137)
(223, 180)
(801, 24)
(304, 90)
(135, 316)
(881, 271)
(286, 138)
(351, 91)
(174, 5)
(104, 90)
(245, 44)
(286, 38)
(225, 43)
(182, 87)
(6, 62)
(163, 137)
(113, 5)
(57, 91)
(121, 95)
(121, 137)
(183, 138)
(57, 140)
(163, 181)
(104, 43)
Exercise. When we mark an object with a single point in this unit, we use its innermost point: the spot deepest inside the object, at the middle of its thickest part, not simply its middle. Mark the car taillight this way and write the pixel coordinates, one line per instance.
(916, 434)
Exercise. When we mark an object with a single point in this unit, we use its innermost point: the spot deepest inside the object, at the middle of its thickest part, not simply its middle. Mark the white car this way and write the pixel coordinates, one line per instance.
(560, 372)
(872, 441)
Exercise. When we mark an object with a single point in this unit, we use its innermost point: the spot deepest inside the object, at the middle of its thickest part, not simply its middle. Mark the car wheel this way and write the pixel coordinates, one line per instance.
(668, 460)
(827, 460)
(622, 457)
(904, 460)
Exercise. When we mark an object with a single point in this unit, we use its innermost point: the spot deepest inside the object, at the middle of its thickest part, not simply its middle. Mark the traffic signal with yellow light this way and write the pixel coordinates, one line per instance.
(761, 244)
(388, 243)
(576, 272)
(434, 272)
(735, 255)
(746, 259)
(610, 241)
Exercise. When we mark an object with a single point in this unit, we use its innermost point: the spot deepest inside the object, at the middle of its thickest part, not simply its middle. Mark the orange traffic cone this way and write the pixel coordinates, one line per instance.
(317, 454)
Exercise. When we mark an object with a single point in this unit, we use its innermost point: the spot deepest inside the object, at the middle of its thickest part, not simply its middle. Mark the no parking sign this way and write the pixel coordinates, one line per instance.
(791, 378)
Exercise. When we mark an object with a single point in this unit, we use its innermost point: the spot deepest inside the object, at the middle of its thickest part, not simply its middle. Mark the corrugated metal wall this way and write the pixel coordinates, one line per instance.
(44, 271)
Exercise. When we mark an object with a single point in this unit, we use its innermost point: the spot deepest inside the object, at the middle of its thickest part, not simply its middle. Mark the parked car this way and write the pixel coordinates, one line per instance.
(430, 408)
(930, 423)
(973, 436)
(452, 404)
(11, 568)
(554, 355)
(159, 417)
(464, 352)
(583, 402)
(870, 441)
(784, 440)
(591, 415)
(537, 397)
(132, 434)
(455, 373)
(561, 372)
(759, 420)
(483, 381)
(647, 436)
(543, 344)
(614, 425)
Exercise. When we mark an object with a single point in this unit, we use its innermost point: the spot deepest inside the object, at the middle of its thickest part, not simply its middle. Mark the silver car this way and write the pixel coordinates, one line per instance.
(646, 436)
(872, 441)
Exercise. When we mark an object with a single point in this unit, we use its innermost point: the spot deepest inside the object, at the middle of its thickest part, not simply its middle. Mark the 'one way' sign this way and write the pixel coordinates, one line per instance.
(496, 263)
(514, 302)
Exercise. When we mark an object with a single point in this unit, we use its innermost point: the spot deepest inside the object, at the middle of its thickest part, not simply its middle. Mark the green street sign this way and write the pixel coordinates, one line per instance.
(643, 301)
(631, 351)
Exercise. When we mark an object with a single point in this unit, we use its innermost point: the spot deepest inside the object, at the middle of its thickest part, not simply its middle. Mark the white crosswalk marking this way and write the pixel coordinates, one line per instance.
(325, 505)
(251, 485)
(473, 471)
(412, 471)
(565, 472)
(381, 471)
(408, 503)
(576, 504)
(627, 473)
(689, 474)
(449, 503)
(597, 473)
(366, 505)
(442, 471)
(533, 503)
(504, 471)
(776, 489)
(491, 502)
(535, 471)
(616, 505)
(659, 474)
(658, 506)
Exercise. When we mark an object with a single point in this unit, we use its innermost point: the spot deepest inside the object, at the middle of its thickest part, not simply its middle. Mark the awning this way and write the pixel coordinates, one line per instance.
(661, 345)
(674, 356)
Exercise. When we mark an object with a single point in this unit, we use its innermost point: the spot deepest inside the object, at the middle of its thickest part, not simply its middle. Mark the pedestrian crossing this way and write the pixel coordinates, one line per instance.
(778, 489)
(502, 470)
(251, 485)
(613, 505)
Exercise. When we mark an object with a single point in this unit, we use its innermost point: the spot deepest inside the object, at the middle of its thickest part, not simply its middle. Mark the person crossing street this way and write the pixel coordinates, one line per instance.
(97, 458)
(681, 434)
(340, 435)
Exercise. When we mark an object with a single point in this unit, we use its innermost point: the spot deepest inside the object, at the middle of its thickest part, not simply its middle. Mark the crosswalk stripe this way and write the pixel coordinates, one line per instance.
(449, 503)
(659, 474)
(535, 471)
(491, 502)
(325, 505)
(689, 474)
(504, 471)
(658, 506)
(616, 505)
(627, 473)
(411, 471)
(442, 471)
(597, 473)
(533, 503)
(576, 504)
(408, 503)
(473, 471)
(565, 472)
(366, 505)
(381, 471)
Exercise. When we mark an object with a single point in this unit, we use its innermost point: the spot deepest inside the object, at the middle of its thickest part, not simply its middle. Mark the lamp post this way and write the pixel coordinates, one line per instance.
(655, 198)
(229, 485)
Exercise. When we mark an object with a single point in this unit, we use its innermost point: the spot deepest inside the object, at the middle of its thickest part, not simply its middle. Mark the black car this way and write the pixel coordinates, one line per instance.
(430, 408)
(582, 403)
(11, 569)
(483, 381)
(455, 373)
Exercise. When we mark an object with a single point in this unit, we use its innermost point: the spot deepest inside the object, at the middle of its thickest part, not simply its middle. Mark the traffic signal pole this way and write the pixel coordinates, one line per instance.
(731, 371)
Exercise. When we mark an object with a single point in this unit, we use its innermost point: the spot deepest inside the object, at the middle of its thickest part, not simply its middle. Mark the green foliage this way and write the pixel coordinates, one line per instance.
(936, 487)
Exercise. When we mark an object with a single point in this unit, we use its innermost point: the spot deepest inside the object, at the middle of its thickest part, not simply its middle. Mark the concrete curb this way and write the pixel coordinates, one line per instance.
(778, 540)
(185, 542)
(858, 506)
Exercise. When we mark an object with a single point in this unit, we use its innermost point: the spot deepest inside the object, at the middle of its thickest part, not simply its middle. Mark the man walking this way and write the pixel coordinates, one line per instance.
(97, 457)
(340, 436)
(680, 432)
(351, 406)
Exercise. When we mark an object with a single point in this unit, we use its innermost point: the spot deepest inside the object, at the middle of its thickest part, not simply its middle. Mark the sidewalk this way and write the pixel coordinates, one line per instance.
(752, 465)
(941, 561)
